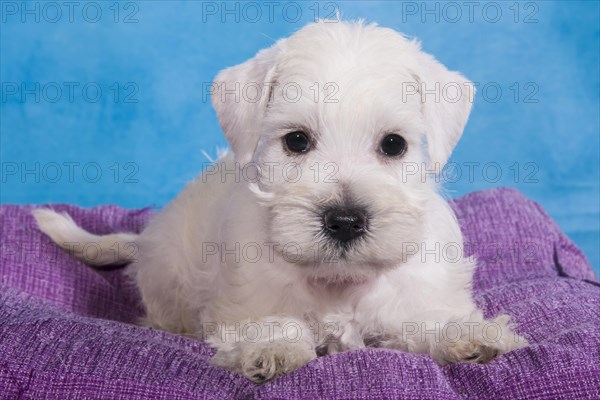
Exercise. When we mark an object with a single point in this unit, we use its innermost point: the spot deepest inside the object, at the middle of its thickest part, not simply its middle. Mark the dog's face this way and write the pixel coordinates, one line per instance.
(335, 120)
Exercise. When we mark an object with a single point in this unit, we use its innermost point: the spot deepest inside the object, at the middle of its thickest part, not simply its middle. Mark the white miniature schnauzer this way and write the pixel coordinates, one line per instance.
(316, 235)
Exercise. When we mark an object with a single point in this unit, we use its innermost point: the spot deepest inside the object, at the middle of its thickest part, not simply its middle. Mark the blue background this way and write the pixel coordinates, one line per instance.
(159, 54)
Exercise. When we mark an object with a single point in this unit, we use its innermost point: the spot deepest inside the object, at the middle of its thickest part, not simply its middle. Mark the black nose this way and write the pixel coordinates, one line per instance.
(345, 224)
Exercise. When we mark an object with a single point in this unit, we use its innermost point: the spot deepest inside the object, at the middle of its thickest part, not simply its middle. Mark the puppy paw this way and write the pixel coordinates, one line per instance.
(486, 340)
(262, 362)
(464, 352)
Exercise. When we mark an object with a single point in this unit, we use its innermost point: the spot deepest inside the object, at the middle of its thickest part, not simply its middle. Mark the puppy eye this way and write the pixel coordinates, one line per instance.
(393, 145)
(297, 142)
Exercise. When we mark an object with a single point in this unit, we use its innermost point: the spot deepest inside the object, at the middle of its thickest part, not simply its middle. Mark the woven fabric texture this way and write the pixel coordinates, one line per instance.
(66, 330)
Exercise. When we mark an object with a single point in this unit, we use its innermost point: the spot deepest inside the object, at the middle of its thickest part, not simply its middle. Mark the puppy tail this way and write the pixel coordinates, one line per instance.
(95, 250)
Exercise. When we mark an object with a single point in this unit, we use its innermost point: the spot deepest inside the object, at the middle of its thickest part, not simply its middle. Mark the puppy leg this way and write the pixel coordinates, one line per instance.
(470, 339)
(476, 340)
(264, 349)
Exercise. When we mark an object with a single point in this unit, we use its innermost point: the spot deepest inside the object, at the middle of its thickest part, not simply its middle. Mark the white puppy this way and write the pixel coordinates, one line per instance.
(316, 234)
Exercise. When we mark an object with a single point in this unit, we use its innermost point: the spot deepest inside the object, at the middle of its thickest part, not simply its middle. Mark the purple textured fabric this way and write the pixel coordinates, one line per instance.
(66, 330)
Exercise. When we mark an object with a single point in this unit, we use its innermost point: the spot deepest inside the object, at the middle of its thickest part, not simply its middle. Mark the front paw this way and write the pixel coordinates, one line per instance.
(262, 362)
(485, 341)
(463, 351)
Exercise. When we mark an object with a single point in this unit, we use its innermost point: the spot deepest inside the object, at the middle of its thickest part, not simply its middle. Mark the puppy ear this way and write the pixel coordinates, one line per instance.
(446, 99)
(240, 95)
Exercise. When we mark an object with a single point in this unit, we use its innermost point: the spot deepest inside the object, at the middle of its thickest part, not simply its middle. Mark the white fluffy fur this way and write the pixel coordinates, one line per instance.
(269, 315)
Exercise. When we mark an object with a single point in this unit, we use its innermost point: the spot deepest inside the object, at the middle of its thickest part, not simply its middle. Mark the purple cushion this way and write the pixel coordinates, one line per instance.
(66, 330)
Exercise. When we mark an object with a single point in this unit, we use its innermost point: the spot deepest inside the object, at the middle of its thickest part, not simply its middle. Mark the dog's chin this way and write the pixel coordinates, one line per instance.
(337, 281)
(345, 271)
(338, 277)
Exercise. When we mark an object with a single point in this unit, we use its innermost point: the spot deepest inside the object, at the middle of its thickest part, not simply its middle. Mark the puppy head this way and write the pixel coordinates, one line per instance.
(336, 118)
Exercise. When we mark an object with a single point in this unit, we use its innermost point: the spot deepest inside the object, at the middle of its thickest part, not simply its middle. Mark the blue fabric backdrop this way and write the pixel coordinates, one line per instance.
(103, 102)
